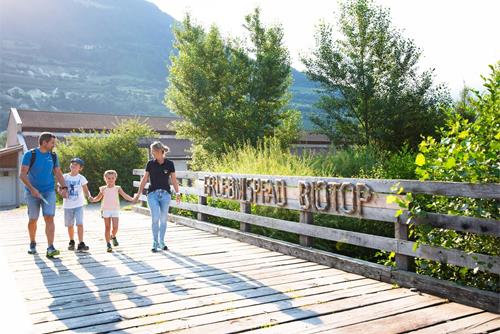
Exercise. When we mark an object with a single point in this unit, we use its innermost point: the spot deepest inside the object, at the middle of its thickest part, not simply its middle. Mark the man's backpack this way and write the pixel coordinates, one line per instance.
(33, 158)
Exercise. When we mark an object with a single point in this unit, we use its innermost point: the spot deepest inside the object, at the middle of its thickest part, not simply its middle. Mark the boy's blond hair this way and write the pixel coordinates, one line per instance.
(110, 172)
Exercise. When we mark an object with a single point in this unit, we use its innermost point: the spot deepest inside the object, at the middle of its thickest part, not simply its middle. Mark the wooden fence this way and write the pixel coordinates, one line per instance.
(361, 198)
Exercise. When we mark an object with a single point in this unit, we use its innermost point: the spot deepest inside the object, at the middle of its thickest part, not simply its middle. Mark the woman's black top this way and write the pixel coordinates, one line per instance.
(159, 175)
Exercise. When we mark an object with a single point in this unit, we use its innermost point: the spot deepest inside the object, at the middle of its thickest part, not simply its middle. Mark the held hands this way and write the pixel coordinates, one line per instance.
(135, 199)
(63, 192)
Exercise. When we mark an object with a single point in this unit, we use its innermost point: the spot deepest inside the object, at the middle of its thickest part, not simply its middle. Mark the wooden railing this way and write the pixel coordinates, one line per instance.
(361, 198)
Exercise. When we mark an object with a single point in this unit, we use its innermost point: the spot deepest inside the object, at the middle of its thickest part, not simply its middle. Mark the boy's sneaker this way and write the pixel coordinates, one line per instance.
(82, 247)
(71, 245)
(115, 242)
(154, 249)
(163, 246)
(32, 249)
(109, 248)
(51, 252)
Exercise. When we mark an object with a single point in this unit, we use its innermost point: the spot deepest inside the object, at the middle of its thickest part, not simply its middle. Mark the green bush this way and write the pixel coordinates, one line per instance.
(366, 162)
(101, 151)
(469, 151)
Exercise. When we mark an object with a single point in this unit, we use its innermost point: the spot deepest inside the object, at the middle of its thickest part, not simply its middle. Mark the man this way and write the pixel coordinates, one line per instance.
(37, 173)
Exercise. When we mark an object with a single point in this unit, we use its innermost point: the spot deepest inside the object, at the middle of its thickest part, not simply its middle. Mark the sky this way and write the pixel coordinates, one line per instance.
(459, 38)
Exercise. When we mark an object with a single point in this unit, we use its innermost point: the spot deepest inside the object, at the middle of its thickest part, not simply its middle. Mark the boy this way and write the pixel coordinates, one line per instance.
(73, 204)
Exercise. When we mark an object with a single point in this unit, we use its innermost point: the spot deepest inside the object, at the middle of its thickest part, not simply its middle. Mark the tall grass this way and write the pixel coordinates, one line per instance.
(268, 157)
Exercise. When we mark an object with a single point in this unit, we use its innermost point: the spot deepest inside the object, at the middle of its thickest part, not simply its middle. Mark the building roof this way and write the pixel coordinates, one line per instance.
(58, 121)
(10, 150)
(179, 148)
(313, 138)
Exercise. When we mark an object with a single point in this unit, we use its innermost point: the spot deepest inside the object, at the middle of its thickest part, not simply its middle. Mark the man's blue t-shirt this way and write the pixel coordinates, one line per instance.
(41, 174)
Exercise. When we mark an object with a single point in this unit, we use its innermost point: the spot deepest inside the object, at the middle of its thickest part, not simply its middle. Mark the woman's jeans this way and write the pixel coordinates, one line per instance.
(158, 202)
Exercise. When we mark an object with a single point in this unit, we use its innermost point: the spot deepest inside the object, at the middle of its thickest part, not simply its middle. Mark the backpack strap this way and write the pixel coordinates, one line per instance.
(54, 159)
(32, 160)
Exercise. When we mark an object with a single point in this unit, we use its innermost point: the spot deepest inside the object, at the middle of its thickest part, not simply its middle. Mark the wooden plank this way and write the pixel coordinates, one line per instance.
(486, 300)
(410, 321)
(401, 233)
(306, 218)
(455, 189)
(477, 323)
(154, 300)
(58, 277)
(210, 312)
(381, 214)
(107, 300)
(466, 295)
(377, 200)
(253, 317)
(159, 276)
(132, 312)
(245, 208)
(474, 225)
(202, 200)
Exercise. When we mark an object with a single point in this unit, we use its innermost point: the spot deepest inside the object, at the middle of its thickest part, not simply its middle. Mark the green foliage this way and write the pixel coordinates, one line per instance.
(268, 157)
(366, 162)
(373, 93)
(230, 93)
(3, 139)
(469, 151)
(117, 150)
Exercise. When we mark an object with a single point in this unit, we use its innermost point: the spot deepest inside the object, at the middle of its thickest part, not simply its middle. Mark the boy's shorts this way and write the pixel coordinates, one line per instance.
(72, 216)
(110, 213)
(34, 203)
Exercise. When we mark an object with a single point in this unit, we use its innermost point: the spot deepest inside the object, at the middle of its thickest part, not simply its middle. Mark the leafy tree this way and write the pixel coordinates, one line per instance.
(101, 151)
(469, 151)
(373, 93)
(228, 92)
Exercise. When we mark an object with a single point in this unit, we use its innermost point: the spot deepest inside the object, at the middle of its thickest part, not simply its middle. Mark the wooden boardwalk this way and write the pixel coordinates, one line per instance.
(209, 284)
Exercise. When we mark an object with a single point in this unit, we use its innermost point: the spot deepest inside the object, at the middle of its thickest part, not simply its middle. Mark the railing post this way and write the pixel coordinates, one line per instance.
(202, 200)
(403, 262)
(306, 218)
(245, 208)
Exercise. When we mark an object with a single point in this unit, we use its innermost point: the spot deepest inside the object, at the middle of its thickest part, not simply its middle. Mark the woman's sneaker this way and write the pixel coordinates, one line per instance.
(51, 252)
(154, 249)
(163, 246)
(115, 242)
(82, 247)
(109, 248)
(71, 245)
(32, 249)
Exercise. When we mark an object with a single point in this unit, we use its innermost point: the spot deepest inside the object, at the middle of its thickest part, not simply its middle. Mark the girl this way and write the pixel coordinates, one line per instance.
(161, 173)
(110, 207)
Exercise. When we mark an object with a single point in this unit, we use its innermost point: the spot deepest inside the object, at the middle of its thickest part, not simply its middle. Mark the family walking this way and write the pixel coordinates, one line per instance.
(40, 170)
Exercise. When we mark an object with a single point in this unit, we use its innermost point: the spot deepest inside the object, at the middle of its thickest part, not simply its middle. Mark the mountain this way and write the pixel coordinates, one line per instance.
(106, 56)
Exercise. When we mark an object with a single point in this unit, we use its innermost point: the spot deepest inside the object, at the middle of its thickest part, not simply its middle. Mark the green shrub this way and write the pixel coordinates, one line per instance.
(348, 162)
(101, 151)
(469, 151)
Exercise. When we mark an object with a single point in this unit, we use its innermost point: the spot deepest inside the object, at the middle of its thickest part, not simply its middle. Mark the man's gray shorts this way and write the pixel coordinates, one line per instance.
(72, 216)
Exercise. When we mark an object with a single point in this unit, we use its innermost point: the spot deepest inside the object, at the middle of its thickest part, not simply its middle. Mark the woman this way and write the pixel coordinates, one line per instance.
(160, 172)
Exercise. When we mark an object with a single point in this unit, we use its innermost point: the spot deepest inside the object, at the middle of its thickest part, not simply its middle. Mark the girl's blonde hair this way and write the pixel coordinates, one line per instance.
(111, 172)
(158, 146)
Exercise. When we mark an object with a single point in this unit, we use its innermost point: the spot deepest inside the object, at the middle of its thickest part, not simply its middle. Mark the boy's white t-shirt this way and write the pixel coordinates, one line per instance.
(76, 197)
